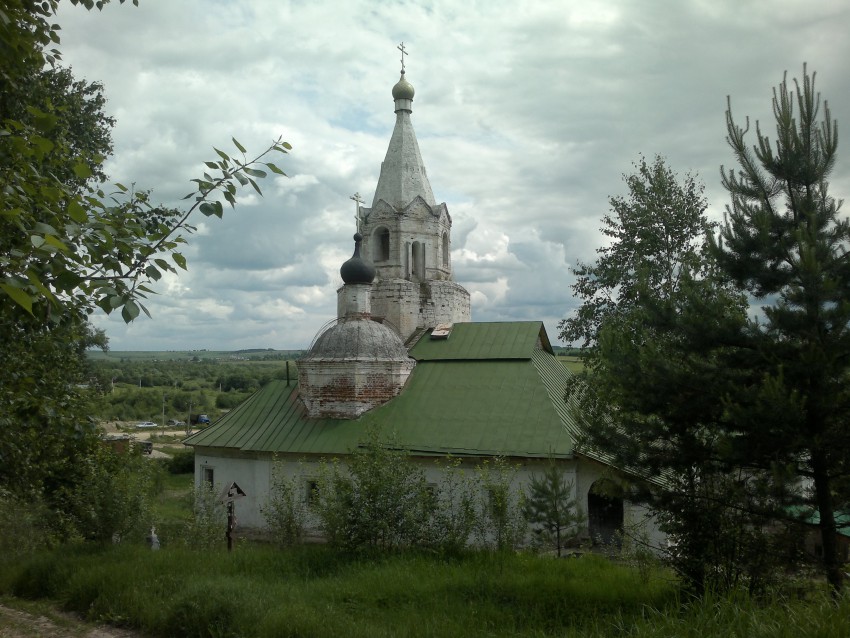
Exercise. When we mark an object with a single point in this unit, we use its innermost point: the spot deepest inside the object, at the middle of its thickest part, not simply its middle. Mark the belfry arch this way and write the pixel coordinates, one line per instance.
(381, 244)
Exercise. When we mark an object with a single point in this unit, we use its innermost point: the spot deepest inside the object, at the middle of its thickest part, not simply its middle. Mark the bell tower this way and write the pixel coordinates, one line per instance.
(407, 235)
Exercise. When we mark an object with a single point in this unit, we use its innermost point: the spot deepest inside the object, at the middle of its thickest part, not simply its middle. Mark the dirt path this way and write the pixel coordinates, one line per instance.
(18, 623)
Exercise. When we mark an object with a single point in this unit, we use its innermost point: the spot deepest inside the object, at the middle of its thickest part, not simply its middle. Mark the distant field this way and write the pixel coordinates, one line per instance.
(573, 364)
(194, 355)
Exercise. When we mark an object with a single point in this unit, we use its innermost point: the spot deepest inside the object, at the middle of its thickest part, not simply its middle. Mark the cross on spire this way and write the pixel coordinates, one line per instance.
(357, 201)
(404, 52)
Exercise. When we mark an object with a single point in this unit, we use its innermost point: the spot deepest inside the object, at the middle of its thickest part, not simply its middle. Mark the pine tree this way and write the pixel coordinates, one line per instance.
(551, 505)
(784, 244)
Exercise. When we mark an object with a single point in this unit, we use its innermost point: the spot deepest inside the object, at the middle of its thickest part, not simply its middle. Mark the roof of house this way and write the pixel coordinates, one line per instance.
(489, 389)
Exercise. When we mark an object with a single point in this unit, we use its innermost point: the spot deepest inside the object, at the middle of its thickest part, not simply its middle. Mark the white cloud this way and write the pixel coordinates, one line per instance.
(527, 117)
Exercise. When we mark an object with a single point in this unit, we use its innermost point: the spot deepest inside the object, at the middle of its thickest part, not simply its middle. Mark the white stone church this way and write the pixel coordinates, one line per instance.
(403, 354)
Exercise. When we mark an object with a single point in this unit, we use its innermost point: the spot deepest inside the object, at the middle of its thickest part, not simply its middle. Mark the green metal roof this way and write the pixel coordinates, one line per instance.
(498, 340)
(482, 406)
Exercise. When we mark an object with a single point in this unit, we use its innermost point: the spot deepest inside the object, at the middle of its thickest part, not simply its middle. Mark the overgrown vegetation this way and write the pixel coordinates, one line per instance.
(317, 591)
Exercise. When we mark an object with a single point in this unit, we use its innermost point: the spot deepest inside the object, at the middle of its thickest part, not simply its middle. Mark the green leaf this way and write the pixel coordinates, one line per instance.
(253, 172)
(47, 229)
(153, 272)
(37, 241)
(56, 242)
(82, 170)
(238, 145)
(130, 311)
(18, 296)
(207, 209)
(274, 169)
(212, 165)
(241, 178)
(179, 259)
(76, 211)
(256, 188)
(222, 154)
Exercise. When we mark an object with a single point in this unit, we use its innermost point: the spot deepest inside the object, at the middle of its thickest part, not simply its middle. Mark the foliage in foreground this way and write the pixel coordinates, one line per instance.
(315, 591)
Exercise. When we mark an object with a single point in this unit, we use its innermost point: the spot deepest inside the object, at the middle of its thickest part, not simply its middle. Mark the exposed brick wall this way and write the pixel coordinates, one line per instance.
(347, 389)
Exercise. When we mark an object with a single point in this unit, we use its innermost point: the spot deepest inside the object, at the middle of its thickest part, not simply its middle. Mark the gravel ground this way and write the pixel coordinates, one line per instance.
(17, 623)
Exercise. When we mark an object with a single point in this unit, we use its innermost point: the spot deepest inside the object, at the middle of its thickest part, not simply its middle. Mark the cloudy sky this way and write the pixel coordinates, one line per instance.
(527, 113)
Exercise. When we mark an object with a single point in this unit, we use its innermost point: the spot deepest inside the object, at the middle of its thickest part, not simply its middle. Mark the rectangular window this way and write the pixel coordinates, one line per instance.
(209, 476)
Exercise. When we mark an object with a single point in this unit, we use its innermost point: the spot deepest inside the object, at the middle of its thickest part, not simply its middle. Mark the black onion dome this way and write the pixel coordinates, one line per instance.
(357, 270)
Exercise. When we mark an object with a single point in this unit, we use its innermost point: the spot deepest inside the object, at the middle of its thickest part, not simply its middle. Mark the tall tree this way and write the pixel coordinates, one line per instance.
(68, 248)
(784, 243)
(664, 328)
(656, 234)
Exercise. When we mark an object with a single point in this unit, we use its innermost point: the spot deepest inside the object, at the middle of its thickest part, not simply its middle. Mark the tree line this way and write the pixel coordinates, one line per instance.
(717, 354)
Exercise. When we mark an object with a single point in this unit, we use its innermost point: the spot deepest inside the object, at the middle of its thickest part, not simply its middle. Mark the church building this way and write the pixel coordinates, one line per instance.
(404, 355)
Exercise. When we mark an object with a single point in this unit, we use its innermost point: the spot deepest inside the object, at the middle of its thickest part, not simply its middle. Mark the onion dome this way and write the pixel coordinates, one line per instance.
(357, 270)
(403, 90)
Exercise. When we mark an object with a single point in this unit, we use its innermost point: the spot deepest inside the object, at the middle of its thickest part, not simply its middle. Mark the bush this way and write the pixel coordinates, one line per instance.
(208, 525)
(501, 521)
(182, 462)
(286, 510)
(113, 502)
(24, 526)
(380, 500)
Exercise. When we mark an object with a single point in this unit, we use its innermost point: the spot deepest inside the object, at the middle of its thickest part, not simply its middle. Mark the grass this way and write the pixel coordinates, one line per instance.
(258, 591)
(171, 508)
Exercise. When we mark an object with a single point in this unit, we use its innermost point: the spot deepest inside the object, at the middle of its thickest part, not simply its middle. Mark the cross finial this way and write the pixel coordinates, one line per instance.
(357, 201)
(404, 52)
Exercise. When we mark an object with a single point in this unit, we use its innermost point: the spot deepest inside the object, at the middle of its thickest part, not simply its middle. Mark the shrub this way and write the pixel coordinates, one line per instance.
(113, 501)
(380, 500)
(501, 522)
(206, 529)
(286, 510)
(182, 462)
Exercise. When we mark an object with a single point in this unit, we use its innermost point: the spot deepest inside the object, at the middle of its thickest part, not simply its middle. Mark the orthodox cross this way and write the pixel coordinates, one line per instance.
(404, 52)
(357, 201)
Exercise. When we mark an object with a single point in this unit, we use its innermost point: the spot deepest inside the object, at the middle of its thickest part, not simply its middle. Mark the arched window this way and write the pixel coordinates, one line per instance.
(381, 244)
(445, 243)
(605, 512)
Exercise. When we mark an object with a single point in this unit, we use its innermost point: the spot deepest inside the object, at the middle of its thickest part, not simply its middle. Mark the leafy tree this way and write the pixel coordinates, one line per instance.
(551, 505)
(656, 234)
(65, 249)
(68, 247)
(668, 341)
(784, 244)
